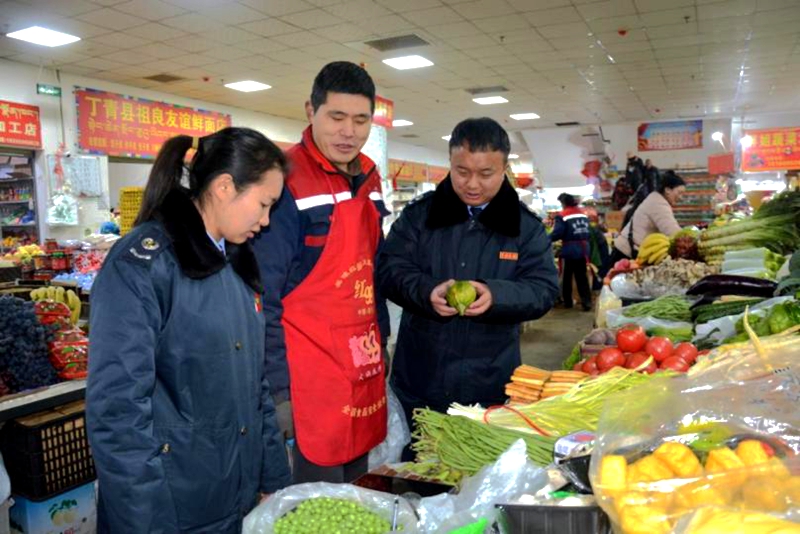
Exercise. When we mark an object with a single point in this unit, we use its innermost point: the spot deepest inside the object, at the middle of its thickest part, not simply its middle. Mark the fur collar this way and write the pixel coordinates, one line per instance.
(502, 215)
(197, 255)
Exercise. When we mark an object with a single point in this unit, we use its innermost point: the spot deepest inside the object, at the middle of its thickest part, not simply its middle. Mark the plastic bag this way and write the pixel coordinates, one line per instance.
(511, 476)
(725, 327)
(397, 434)
(606, 302)
(615, 319)
(726, 437)
(262, 519)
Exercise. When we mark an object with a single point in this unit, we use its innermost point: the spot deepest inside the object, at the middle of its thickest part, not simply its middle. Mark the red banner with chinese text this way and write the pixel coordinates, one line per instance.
(721, 163)
(20, 125)
(119, 125)
(384, 112)
(774, 149)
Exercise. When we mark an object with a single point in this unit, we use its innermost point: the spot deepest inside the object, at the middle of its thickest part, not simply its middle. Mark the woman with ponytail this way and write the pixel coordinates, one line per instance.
(179, 413)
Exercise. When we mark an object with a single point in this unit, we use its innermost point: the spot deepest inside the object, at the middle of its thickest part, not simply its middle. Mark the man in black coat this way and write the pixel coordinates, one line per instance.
(472, 228)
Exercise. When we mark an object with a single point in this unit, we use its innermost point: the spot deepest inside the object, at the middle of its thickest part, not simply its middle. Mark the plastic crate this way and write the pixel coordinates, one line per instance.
(530, 519)
(48, 453)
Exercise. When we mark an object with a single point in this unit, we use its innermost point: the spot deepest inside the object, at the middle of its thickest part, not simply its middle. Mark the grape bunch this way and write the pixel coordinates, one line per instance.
(324, 515)
(24, 362)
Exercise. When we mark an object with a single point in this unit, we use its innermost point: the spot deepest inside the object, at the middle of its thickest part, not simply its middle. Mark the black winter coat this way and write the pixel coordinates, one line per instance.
(440, 360)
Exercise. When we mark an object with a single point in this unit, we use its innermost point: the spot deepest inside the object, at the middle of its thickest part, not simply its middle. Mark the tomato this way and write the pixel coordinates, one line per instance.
(590, 366)
(608, 358)
(687, 351)
(676, 364)
(660, 348)
(703, 352)
(638, 358)
(631, 338)
(577, 366)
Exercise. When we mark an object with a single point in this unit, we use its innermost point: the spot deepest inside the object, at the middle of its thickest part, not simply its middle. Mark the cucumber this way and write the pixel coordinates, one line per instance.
(709, 312)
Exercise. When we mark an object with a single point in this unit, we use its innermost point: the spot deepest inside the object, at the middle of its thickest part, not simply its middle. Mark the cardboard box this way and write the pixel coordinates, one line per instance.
(72, 512)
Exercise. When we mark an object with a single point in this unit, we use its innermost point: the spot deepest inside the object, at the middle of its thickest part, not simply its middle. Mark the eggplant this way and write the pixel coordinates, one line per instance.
(716, 285)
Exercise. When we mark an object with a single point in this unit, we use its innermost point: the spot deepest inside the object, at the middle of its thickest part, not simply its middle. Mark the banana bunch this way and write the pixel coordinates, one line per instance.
(654, 249)
(59, 294)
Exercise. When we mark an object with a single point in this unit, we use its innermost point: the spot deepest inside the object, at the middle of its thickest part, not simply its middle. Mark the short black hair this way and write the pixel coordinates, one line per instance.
(481, 135)
(568, 200)
(670, 180)
(342, 77)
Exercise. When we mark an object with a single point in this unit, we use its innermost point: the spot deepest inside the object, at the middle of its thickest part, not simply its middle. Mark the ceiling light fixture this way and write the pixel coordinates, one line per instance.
(446, 137)
(247, 86)
(488, 100)
(43, 36)
(401, 122)
(746, 141)
(524, 116)
(408, 62)
(717, 136)
(513, 156)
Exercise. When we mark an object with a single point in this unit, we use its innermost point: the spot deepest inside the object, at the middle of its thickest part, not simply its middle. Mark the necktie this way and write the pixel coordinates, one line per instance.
(474, 212)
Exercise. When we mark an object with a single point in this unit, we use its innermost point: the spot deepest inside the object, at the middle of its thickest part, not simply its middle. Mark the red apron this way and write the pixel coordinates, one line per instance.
(333, 343)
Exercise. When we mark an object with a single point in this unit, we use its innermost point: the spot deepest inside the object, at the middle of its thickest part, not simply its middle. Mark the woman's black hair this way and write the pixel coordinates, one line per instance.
(243, 153)
(670, 180)
(569, 201)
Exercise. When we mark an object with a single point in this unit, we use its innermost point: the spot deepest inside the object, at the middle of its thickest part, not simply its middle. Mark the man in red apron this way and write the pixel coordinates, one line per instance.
(325, 322)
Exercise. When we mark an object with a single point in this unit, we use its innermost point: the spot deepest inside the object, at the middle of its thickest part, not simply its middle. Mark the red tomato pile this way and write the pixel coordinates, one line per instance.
(634, 348)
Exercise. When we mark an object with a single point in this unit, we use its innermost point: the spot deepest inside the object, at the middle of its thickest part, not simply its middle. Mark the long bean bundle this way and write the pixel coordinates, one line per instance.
(671, 308)
(467, 445)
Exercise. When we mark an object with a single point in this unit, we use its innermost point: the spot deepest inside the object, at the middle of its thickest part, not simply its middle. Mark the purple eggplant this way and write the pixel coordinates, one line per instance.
(716, 285)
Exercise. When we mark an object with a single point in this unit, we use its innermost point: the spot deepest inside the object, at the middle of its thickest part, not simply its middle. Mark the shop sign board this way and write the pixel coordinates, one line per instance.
(773, 149)
(20, 125)
(125, 126)
(675, 135)
(384, 112)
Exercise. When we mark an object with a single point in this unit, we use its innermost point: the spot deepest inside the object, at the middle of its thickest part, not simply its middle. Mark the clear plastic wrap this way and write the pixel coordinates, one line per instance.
(397, 434)
(606, 302)
(725, 327)
(720, 447)
(615, 319)
(264, 516)
(510, 477)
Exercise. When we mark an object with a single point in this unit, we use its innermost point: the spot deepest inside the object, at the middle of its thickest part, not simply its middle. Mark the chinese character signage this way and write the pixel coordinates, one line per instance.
(776, 149)
(677, 135)
(118, 125)
(20, 125)
(721, 163)
(384, 112)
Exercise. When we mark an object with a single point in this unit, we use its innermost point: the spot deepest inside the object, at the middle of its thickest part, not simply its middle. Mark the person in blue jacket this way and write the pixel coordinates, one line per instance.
(180, 416)
(572, 229)
(472, 228)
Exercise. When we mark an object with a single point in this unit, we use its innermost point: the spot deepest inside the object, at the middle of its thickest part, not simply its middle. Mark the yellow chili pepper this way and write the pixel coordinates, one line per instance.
(700, 493)
(649, 469)
(764, 494)
(613, 474)
(638, 514)
(751, 452)
(680, 459)
(728, 470)
(712, 520)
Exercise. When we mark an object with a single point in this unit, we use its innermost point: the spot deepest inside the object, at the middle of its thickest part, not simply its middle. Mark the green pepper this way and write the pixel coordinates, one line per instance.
(779, 319)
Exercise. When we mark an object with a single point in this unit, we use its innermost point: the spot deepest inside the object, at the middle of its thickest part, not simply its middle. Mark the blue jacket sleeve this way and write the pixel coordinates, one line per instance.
(559, 229)
(534, 289)
(125, 322)
(401, 279)
(275, 473)
(277, 249)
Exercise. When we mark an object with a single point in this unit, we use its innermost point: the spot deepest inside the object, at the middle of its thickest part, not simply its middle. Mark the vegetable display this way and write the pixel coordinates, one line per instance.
(671, 276)
(709, 312)
(717, 285)
(748, 477)
(654, 249)
(324, 514)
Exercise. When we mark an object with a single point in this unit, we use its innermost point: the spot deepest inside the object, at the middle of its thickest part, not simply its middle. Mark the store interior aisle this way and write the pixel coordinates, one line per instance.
(546, 343)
